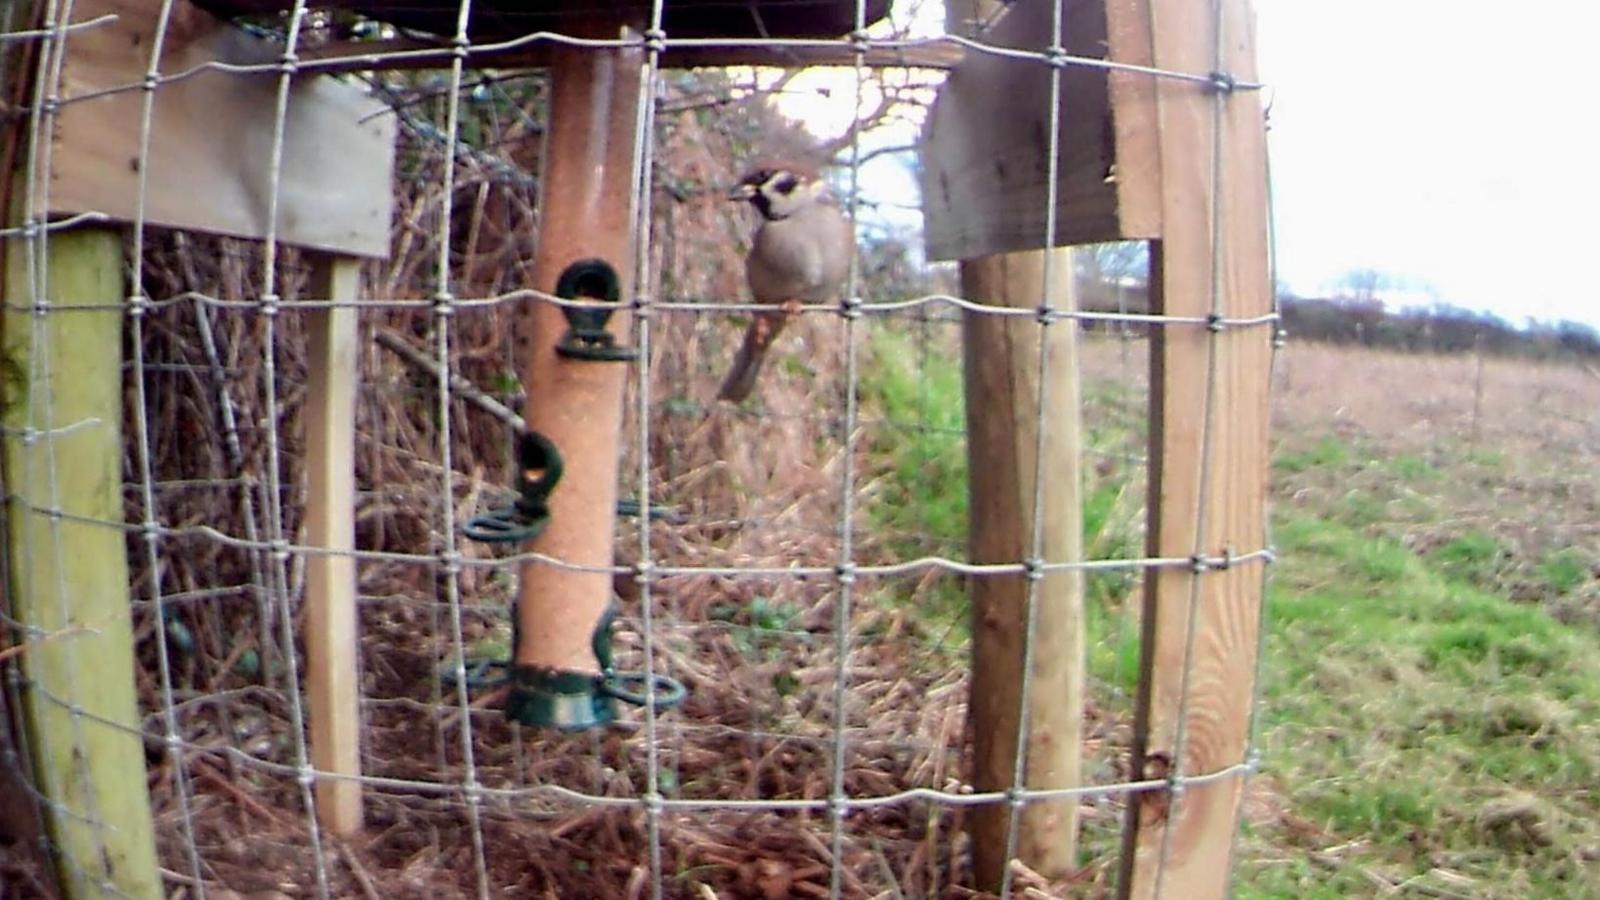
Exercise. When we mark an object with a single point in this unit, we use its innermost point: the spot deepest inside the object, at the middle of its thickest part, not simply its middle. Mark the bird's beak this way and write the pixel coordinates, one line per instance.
(742, 192)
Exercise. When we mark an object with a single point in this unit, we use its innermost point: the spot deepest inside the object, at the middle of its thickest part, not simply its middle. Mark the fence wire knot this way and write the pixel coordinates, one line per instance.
(1033, 568)
(643, 572)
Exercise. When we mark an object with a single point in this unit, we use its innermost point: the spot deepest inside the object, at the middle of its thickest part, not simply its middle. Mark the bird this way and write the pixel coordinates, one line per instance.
(801, 254)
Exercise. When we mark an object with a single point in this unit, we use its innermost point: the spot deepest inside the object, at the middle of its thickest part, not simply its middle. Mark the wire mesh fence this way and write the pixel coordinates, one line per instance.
(804, 576)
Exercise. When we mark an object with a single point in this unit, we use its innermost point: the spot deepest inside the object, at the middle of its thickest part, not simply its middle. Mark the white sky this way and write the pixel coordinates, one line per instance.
(1450, 143)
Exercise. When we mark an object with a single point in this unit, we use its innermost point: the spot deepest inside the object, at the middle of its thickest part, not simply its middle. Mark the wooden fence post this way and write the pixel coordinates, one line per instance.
(1197, 679)
(1003, 422)
(332, 642)
(69, 575)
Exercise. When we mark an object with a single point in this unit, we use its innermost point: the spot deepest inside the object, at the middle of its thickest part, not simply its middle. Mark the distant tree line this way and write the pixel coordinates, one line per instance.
(1439, 328)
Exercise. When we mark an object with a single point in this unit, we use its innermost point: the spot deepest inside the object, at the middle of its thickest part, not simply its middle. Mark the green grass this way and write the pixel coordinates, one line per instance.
(1474, 557)
(917, 503)
(1565, 570)
(1403, 703)
(1329, 452)
(1419, 727)
(918, 500)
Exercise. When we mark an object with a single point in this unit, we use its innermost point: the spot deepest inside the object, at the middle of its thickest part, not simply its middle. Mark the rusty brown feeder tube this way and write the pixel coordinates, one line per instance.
(576, 403)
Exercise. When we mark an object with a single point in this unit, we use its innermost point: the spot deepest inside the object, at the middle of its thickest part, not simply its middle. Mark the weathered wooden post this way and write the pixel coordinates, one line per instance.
(204, 169)
(1024, 485)
(1208, 446)
(69, 585)
(332, 682)
(1137, 163)
(1006, 463)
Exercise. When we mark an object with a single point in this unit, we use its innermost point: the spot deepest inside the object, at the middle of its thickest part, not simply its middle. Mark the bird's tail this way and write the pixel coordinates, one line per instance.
(747, 365)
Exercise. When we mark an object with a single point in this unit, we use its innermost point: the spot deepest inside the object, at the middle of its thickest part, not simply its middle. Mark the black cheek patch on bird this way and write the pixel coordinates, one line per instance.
(763, 203)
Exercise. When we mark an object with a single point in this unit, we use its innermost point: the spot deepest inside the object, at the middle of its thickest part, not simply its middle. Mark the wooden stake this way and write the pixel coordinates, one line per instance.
(577, 404)
(332, 646)
(1003, 419)
(69, 574)
(1230, 461)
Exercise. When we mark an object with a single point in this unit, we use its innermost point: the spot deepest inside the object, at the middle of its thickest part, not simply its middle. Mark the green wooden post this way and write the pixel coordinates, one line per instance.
(69, 579)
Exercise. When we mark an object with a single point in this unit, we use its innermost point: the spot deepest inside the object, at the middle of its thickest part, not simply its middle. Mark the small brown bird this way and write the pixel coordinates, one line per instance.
(801, 254)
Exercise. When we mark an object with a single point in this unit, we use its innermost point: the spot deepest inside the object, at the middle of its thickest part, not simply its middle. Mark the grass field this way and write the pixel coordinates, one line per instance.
(1431, 717)
(1432, 712)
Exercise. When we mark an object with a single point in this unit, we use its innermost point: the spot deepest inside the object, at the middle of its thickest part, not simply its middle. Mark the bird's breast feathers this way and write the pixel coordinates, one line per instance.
(805, 257)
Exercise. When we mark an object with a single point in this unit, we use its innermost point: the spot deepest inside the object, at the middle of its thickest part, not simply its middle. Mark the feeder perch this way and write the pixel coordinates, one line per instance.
(574, 701)
(539, 467)
(587, 337)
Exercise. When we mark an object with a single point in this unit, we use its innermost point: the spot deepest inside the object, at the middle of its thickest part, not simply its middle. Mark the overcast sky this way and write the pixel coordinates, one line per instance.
(1448, 143)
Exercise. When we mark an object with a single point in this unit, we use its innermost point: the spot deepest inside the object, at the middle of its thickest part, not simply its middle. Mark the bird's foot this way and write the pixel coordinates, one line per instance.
(792, 307)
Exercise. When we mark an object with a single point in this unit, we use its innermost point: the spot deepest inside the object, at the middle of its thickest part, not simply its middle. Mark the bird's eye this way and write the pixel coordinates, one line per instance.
(786, 184)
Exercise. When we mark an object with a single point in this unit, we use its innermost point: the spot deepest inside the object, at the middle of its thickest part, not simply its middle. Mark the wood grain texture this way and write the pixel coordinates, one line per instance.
(986, 147)
(578, 404)
(69, 577)
(1225, 487)
(332, 642)
(1003, 414)
(209, 165)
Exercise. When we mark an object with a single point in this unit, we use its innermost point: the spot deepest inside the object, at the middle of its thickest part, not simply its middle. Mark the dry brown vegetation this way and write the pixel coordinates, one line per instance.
(1512, 443)
(760, 486)
(755, 487)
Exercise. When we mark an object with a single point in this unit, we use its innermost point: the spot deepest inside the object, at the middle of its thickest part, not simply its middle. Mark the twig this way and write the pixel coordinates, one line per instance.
(468, 391)
(20, 649)
(180, 878)
(245, 800)
(887, 870)
(886, 151)
(368, 889)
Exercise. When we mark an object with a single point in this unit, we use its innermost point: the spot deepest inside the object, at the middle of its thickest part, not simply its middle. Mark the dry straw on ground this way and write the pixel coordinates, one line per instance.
(753, 488)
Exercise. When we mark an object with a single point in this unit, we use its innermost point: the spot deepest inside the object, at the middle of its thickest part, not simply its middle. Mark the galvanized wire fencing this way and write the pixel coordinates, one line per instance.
(820, 750)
